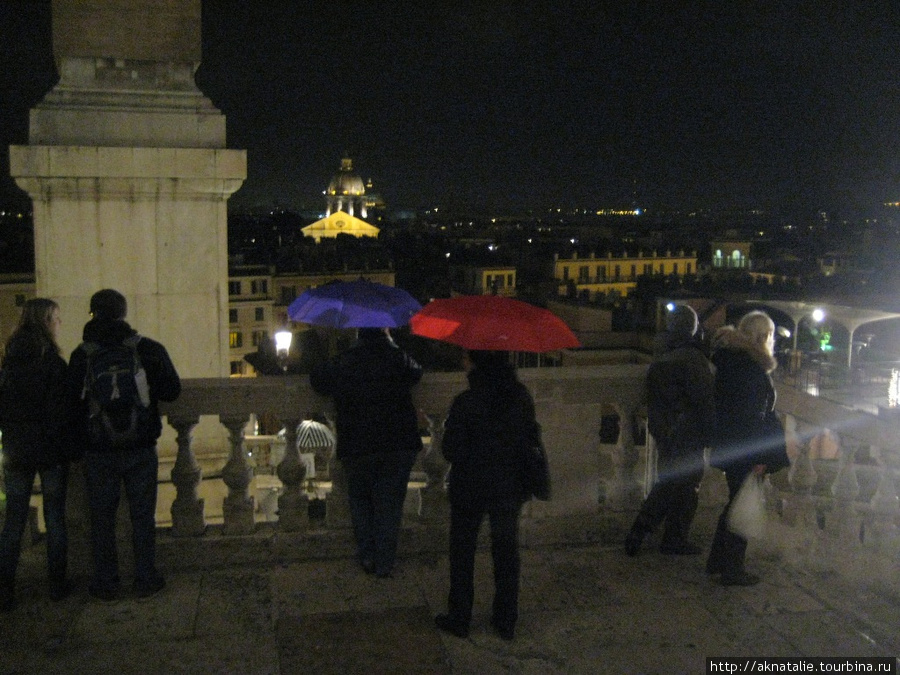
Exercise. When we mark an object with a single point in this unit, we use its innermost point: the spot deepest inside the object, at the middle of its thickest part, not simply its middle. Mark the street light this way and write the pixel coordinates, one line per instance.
(283, 339)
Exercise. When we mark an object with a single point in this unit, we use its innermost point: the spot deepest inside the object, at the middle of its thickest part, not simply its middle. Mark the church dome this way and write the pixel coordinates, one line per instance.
(346, 182)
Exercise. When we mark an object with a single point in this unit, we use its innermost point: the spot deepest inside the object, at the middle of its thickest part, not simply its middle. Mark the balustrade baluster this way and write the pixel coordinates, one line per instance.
(187, 508)
(435, 507)
(844, 522)
(293, 503)
(624, 491)
(238, 505)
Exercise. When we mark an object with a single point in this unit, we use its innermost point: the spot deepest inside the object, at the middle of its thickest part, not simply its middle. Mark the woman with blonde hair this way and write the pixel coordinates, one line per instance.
(744, 441)
(33, 410)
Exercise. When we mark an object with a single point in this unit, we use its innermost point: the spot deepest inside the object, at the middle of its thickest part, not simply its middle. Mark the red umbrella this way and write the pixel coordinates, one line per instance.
(493, 322)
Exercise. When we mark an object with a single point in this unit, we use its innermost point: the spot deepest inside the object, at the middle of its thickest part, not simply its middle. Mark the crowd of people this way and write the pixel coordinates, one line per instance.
(101, 409)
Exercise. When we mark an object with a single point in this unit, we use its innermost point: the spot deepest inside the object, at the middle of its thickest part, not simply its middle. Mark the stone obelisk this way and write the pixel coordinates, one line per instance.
(129, 174)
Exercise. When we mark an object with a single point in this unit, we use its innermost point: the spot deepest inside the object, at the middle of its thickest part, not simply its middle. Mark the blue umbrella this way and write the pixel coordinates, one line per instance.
(354, 304)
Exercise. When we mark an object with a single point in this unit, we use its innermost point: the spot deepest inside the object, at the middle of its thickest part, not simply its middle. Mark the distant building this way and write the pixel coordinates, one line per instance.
(483, 280)
(615, 276)
(730, 254)
(337, 223)
(346, 192)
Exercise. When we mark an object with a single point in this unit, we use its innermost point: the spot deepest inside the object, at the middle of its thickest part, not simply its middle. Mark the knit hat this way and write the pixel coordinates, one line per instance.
(682, 320)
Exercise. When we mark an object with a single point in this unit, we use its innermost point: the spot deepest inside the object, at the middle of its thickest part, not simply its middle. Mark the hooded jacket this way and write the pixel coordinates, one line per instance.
(33, 405)
(680, 406)
(745, 404)
(488, 430)
(371, 384)
(162, 378)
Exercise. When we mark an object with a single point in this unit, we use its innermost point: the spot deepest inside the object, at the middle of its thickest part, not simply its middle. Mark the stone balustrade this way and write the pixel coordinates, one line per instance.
(840, 512)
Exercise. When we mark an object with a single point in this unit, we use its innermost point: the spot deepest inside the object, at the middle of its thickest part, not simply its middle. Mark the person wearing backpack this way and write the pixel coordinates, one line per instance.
(33, 413)
(116, 378)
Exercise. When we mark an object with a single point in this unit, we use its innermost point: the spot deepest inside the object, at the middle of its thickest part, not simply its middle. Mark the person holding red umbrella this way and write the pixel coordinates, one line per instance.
(489, 427)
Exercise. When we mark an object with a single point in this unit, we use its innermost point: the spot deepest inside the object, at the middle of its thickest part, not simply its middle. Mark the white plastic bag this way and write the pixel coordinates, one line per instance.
(747, 515)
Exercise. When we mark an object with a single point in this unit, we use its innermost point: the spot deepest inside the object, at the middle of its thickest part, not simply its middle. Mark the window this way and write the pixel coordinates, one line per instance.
(633, 271)
(259, 286)
(601, 273)
(509, 280)
(235, 339)
(687, 268)
(675, 268)
(583, 274)
(237, 368)
(288, 294)
(259, 314)
(260, 336)
(234, 288)
(232, 316)
(648, 268)
(565, 273)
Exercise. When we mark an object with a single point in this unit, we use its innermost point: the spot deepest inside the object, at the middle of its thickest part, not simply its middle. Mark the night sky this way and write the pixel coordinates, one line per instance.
(781, 106)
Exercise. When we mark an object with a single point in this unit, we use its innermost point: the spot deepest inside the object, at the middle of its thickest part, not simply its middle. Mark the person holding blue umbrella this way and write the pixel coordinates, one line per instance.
(377, 438)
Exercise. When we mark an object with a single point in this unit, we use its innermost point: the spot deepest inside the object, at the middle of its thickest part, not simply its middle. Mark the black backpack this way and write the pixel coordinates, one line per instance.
(116, 391)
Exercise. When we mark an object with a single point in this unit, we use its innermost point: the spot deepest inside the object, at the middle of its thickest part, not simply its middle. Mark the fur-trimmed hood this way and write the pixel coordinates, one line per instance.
(728, 337)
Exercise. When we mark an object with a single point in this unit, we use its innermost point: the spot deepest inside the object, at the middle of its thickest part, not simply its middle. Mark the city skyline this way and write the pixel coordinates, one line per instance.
(529, 107)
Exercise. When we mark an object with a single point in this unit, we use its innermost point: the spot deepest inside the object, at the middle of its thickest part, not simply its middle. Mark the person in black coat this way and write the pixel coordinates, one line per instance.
(136, 467)
(33, 413)
(744, 441)
(377, 438)
(680, 412)
(488, 429)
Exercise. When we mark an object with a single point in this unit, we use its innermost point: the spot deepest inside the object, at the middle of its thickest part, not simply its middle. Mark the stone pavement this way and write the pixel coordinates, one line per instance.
(587, 609)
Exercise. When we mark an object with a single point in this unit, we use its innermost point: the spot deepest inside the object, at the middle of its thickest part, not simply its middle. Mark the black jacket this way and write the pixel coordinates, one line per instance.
(33, 405)
(371, 384)
(488, 429)
(162, 378)
(680, 406)
(745, 405)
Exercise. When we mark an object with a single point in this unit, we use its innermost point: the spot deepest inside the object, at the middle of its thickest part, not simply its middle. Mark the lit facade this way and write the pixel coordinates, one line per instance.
(615, 276)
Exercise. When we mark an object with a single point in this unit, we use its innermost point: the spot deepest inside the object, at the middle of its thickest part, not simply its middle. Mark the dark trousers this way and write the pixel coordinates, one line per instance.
(728, 549)
(106, 472)
(376, 488)
(673, 499)
(19, 482)
(465, 521)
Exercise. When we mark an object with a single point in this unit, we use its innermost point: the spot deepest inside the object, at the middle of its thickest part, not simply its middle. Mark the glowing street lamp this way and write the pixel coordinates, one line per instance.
(283, 339)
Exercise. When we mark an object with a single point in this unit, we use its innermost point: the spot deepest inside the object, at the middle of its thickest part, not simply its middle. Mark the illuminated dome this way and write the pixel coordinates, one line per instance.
(345, 191)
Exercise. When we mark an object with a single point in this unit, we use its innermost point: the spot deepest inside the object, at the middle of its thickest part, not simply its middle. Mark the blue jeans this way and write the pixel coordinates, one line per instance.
(54, 483)
(376, 488)
(105, 474)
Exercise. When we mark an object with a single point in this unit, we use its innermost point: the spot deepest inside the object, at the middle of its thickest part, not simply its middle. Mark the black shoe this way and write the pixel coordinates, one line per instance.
(60, 590)
(147, 589)
(7, 599)
(633, 542)
(503, 631)
(739, 579)
(681, 548)
(449, 625)
(104, 593)
(713, 567)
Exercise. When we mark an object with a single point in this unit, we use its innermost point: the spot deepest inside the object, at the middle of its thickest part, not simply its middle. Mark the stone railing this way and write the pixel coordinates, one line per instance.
(838, 506)
(837, 512)
(590, 479)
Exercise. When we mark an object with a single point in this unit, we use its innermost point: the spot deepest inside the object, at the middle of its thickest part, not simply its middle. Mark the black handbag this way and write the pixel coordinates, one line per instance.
(537, 472)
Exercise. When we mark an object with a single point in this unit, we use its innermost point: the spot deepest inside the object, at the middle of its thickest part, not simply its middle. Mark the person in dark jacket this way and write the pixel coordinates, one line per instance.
(377, 438)
(33, 413)
(680, 413)
(488, 430)
(136, 466)
(743, 443)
